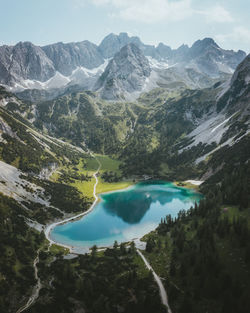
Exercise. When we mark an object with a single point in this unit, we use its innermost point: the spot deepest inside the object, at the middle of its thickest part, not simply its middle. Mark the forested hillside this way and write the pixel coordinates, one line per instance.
(50, 152)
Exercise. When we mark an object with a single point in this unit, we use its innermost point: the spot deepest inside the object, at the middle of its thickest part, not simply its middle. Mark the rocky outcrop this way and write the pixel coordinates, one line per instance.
(24, 61)
(125, 73)
(67, 57)
(60, 65)
(210, 59)
(236, 95)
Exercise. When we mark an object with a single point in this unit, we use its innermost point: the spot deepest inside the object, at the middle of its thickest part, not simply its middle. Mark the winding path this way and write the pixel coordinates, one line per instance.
(163, 292)
(38, 286)
(36, 289)
(51, 226)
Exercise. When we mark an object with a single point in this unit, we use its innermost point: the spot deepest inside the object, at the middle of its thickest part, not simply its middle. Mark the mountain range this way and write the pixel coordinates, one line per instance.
(180, 115)
(161, 122)
(91, 67)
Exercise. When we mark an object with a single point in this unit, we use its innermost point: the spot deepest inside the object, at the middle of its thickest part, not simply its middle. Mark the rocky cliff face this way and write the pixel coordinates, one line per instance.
(112, 44)
(24, 61)
(210, 59)
(67, 57)
(57, 66)
(242, 73)
(236, 95)
(125, 73)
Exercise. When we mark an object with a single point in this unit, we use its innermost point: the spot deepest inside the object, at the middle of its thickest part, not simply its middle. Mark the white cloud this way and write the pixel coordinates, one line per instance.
(156, 10)
(147, 11)
(150, 11)
(216, 14)
(238, 34)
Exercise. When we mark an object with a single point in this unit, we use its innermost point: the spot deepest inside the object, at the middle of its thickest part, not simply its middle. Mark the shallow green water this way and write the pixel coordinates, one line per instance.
(125, 215)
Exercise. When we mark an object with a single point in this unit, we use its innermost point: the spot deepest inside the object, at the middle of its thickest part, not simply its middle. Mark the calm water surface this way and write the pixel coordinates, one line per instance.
(125, 215)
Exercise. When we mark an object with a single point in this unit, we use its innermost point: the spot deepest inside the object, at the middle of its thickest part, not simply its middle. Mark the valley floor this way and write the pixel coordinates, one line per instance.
(102, 163)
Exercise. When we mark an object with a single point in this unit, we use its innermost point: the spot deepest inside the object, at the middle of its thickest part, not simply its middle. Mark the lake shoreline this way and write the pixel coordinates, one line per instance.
(49, 228)
(83, 245)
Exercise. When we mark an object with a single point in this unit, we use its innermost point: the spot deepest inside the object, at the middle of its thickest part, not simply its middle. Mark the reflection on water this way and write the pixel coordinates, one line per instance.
(125, 215)
(131, 207)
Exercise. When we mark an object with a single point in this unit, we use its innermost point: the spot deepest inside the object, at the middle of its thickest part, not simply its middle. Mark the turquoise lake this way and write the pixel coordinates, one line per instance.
(126, 214)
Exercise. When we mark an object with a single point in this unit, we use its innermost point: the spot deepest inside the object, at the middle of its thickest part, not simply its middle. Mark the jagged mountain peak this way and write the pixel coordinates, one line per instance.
(113, 43)
(67, 57)
(123, 35)
(125, 73)
(204, 43)
(162, 45)
(130, 49)
(201, 47)
(24, 61)
(24, 43)
(81, 63)
(207, 57)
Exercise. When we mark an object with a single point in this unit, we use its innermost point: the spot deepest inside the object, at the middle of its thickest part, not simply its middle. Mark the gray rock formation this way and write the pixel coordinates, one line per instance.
(24, 61)
(236, 95)
(242, 73)
(125, 73)
(164, 52)
(210, 59)
(67, 57)
(112, 44)
(57, 66)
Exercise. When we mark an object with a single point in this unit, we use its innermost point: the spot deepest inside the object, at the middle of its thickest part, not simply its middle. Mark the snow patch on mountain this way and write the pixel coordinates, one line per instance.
(94, 71)
(80, 75)
(231, 141)
(203, 157)
(210, 130)
(225, 87)
(155, 64)
(214, 129)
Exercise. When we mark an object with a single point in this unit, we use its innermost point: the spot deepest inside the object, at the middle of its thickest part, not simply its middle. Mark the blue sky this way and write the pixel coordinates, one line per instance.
(170, 21)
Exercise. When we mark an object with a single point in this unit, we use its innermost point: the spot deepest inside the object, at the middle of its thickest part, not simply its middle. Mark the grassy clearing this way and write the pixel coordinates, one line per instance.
(88, 166)
(109, 164)
(105, 187)
(85, 187)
